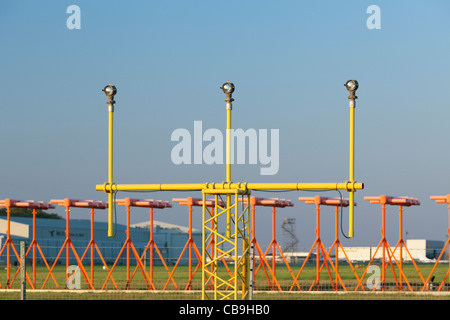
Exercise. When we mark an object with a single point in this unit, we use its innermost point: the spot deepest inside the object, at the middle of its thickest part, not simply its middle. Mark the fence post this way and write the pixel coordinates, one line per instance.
(252, 267)
(23, 271)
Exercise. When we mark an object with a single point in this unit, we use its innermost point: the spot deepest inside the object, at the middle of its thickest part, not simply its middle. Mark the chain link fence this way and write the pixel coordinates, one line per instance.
(147, 276)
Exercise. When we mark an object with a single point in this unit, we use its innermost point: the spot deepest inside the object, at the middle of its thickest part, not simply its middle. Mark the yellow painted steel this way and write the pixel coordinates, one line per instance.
(220, 281)
(110, 171)
(228, 146)
(351, 169)
(227, 285)
(347, 186)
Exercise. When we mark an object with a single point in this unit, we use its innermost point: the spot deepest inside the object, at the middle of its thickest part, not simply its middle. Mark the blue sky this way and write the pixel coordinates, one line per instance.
(288, 60)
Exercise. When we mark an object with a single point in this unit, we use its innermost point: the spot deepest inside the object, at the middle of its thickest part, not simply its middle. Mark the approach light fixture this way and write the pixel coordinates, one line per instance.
(352, 85)
(110, 90)
(227, 88)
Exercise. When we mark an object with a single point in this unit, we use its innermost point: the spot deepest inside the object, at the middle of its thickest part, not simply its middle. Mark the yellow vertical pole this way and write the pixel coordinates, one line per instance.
(110, 169)
(217, 210)
(236, 246)
(351, 85)
(228, 164)
(352, 167)
(204, 248)
(228, 89)
(246, 250)
(110, 91)
(229, 142)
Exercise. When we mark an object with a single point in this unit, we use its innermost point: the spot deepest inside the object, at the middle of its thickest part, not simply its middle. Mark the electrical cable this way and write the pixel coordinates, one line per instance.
(317, 190)
(115, 213)
(342, 213)
(260, 190)
(340, 205)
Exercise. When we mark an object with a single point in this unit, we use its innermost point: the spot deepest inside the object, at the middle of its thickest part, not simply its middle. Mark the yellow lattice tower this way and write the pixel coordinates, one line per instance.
(218, 282)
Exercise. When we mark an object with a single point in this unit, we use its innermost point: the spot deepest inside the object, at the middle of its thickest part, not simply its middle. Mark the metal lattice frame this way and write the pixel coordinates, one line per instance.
(240, 220)
(235, 248)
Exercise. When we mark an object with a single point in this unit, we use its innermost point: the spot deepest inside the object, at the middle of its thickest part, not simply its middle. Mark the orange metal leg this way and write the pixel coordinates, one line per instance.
(69, 245)
(190, 245)
(274, 246)
(401, 244)
(10, 245)
(447, 244)
(92, 246)
(262, 260)
(367, 267)
(130, 248)
(321, 251)
(151, 245)
(436, 264)
(114, 265)
(301, 268)
(386, 249)
(336, 245)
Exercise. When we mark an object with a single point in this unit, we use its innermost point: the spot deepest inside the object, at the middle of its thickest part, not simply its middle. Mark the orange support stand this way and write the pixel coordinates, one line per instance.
(8, 203)
(274, 203)
(151, 245)
(190, 244)
(320, 249)
(338, 203)
(34, 244)
(402, 245)
(68, 203)
(127, 202)
(384, 245)
(441, 199)
(92, 245)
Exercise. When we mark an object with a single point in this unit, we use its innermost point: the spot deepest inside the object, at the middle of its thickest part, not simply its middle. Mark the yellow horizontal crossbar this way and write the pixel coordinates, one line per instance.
(221, 187)
(226, 191)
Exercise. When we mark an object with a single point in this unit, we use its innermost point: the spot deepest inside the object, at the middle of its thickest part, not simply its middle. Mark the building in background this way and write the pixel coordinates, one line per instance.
(422, 250)
(51, 234)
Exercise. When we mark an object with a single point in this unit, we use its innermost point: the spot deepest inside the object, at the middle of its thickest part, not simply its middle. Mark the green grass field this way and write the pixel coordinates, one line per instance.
(264, 289)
